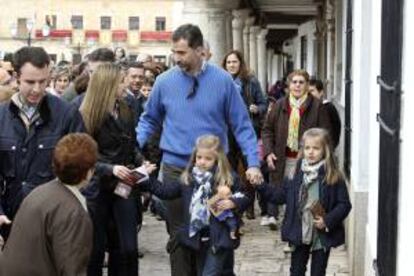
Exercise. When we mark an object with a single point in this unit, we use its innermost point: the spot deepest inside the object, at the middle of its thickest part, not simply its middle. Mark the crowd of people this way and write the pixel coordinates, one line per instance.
(82, 145)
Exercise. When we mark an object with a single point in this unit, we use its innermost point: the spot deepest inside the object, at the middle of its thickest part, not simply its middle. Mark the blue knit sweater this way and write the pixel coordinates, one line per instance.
(215, 107)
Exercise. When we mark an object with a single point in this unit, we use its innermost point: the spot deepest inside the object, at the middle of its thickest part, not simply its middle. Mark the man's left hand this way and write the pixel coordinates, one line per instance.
(254, 176)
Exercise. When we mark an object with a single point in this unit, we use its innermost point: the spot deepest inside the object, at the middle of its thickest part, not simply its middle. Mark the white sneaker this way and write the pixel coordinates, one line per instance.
(272, 223)
(272, 220)
(287, 249)
(264, 221)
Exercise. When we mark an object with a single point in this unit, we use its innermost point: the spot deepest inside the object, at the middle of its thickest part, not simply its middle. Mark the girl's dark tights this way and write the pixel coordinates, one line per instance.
(300, 257)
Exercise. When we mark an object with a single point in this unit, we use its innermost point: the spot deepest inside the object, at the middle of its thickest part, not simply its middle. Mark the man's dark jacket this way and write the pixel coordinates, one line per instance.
(26, 155)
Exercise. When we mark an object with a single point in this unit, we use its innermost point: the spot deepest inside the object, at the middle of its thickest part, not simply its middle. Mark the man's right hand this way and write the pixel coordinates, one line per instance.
(270, 161)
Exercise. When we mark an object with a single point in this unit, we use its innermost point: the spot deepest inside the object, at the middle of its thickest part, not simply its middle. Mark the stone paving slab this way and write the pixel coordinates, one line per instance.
(260, 252)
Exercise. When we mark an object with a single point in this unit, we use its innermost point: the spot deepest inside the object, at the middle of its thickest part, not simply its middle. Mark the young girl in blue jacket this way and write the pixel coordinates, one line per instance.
(209, 237)
(317, 182)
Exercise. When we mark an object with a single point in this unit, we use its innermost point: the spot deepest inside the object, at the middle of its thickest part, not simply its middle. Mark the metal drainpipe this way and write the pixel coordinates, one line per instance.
(348, 89)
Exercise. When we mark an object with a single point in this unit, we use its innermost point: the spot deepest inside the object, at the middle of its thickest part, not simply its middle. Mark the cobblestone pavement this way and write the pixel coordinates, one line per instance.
(260, 253)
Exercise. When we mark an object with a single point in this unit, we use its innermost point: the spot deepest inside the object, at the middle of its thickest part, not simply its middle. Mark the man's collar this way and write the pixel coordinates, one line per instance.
(203, 68)
(129, 91)
(201, 71)
(77, 194)
(16, 105)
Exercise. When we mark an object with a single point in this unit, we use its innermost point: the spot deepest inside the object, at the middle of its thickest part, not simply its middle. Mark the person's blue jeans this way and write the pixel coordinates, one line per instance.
(115, 222)
(300, 257)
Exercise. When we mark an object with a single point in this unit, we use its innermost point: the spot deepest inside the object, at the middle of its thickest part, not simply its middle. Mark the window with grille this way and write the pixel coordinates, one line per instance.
(21, 27)
(50, 20)
(134, 23)
(77, 22)
(76, 58)
(105, 22)
(160, 59)
(160, 23)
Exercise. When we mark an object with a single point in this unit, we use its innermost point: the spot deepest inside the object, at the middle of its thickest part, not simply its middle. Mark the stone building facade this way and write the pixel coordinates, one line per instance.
(69, 29)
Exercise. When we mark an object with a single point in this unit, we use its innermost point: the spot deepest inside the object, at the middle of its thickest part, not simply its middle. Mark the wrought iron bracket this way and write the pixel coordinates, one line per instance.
(349, 31)
(387, 87)
(375, 267)
(384, 126)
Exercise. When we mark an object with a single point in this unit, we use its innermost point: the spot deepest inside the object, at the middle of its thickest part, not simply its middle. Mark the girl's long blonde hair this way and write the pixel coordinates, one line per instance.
(333, 173)
(223, 174)
(100, 96)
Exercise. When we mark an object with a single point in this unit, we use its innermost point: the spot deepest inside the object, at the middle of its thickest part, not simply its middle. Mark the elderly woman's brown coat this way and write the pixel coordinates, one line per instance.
(275, 130)
(51, 235)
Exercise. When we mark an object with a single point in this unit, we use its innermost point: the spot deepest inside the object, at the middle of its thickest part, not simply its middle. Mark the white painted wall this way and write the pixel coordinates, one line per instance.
(177, 14)
(365, 133)
(406, 225)
(373, 166)
(364, 95)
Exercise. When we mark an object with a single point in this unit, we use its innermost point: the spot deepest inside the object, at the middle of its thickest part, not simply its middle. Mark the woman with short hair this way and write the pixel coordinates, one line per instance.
(60, 80)
(52, 232)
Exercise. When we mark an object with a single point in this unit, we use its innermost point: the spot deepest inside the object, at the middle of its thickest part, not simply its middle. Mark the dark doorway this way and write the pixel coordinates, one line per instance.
(389, 120)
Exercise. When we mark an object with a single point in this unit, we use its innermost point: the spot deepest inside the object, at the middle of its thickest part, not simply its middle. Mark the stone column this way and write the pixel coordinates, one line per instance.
(269, 67)
(276, 65)
(239, 18)
(246, 39)
(218, 40)
(254, 30)
(320, 49)
(229, 31)
(262, 58)
(312, 58)
(212, 18)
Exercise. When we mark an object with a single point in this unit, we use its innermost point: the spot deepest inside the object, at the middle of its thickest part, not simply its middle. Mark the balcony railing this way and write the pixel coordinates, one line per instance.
(155, 36)
(54, 34)
(106, 36)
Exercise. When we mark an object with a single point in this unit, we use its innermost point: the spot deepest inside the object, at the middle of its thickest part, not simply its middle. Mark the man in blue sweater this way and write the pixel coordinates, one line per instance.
(189, 100)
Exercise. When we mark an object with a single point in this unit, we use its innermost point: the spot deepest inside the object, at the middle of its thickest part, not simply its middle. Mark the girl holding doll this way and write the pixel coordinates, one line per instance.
(207, 235)
(317, 203)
